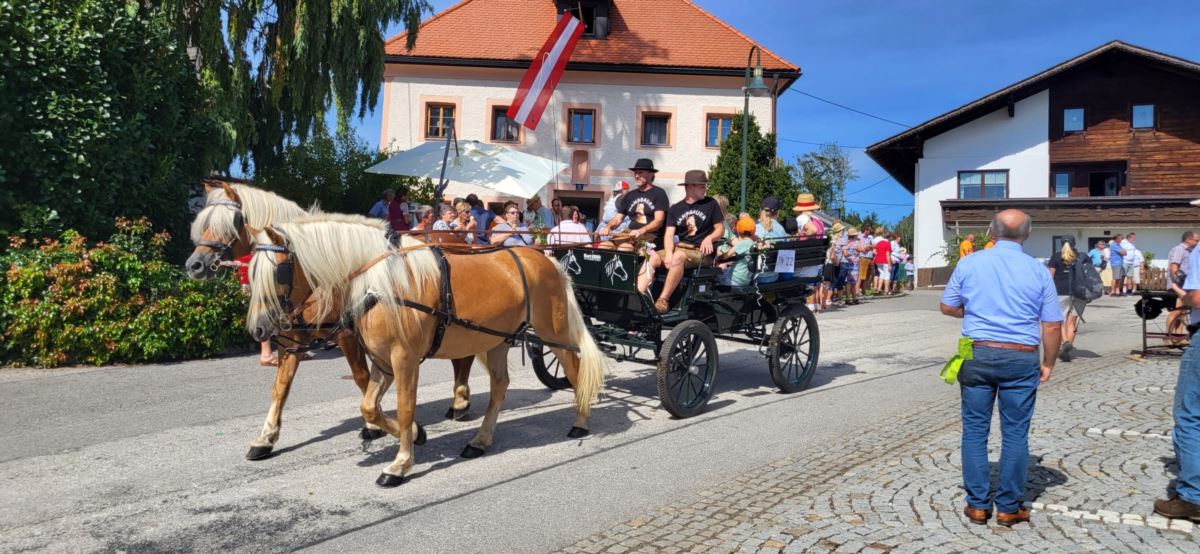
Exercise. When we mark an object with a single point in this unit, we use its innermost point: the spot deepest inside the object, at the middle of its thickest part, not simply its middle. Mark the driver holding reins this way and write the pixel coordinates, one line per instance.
(646, 207)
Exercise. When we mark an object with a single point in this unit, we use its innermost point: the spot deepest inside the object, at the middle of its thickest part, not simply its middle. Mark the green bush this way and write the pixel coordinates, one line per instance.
(65, 303)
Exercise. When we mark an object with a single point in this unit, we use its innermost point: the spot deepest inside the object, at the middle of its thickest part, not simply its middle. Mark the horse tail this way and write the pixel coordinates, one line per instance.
(590, 377)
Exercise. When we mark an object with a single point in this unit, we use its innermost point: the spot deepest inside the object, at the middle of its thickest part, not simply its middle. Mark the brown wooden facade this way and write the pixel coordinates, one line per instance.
(1147, 211)
(1163, 160)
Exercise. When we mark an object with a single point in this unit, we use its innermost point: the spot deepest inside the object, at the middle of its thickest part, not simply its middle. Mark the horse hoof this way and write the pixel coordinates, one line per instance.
(578, 433)
(470, 452)
(369, 434)
(457, 415)
(259, 452)
(387, 480)
(421, 436)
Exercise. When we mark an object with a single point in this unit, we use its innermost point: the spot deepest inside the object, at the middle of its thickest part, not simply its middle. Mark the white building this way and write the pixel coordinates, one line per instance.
(658, 80)
(1104, 143)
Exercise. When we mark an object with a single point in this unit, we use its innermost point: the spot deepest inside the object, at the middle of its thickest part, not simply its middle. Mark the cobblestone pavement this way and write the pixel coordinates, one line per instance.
(1101, 437)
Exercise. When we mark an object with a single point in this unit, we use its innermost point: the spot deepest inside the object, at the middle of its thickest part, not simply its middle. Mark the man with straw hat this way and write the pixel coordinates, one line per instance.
(1186, 434)
(697, 222)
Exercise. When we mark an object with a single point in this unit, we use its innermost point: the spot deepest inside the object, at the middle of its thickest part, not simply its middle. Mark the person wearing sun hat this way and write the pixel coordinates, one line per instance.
(1186, 412)
(697, 221)
(851, 253)
(645, 206)
(809, 226)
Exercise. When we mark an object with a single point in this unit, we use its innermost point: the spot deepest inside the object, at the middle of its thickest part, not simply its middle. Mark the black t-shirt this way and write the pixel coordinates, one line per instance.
(640, 206)
(1062, 273)
(693, 222)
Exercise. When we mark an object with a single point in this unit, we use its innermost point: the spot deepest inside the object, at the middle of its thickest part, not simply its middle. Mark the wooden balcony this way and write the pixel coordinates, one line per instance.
(1145, 211)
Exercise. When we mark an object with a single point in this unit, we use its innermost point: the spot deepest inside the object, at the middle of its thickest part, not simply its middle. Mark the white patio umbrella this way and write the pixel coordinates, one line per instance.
(472, 162)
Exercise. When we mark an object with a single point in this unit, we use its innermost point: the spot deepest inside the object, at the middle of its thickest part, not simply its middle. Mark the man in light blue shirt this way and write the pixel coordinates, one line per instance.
(1116, 261)
(1008, 304)
(1186, 434)
(380, 209)
(1097, 254)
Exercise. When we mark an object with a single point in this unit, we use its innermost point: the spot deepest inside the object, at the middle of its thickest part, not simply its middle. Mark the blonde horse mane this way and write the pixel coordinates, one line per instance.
(331, 247)
(260, 208)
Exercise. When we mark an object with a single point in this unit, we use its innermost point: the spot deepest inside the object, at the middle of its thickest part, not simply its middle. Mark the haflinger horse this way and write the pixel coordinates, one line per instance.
(222, 231)
(414, 302)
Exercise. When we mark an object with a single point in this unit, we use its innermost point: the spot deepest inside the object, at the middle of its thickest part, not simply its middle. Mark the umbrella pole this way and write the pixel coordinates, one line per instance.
(440, 191)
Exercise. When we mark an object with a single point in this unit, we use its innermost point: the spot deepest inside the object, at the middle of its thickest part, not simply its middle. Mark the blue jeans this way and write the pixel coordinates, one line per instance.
(1187, 425)
(1013, 376)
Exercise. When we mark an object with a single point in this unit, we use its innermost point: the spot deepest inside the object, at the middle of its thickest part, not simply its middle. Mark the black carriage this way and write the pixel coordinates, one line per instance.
(772, 316)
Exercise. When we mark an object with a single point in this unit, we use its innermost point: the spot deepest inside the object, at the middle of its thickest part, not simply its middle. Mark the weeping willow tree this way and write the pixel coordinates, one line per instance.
(272, 69)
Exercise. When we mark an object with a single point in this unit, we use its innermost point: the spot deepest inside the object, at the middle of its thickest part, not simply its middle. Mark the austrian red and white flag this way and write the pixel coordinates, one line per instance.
(539, 82)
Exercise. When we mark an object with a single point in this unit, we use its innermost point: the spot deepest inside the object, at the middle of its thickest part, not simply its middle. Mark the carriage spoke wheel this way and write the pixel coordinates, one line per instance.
(546, 366)
(687, 367)
(793, 349)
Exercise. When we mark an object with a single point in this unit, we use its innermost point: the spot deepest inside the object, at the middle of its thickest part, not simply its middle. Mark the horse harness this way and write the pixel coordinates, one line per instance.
(222, 248)
(445, 313)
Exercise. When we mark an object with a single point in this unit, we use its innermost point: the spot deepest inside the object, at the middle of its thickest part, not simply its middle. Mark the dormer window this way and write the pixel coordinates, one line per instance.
(593, 14)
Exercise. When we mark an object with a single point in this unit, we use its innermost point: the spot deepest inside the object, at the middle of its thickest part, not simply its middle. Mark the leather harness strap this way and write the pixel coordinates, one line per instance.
(447, 315)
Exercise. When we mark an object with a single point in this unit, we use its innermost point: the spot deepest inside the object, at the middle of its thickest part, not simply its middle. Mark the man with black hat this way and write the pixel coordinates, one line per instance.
(697, 221)
(645, 206)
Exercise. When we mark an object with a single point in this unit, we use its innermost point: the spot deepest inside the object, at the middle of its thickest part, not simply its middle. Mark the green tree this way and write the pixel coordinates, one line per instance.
(102, 116)
(765, 176)
(331, 170)
(824, 174)
(273, 69)
(905, 228)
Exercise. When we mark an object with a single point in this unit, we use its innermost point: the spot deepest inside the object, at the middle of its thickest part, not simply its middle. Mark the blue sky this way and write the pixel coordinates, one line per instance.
(913, 60)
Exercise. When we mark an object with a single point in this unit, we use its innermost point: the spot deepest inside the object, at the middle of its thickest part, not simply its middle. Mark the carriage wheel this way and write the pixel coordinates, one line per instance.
(687, 367)
(793, 349)
(546, 365)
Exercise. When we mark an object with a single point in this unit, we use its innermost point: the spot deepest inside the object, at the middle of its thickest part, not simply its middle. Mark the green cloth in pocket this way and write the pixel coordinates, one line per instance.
(965, 352)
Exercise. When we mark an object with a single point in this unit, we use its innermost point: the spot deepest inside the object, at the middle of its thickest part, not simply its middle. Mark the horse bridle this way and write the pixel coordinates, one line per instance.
(222, 248)
(284, 276)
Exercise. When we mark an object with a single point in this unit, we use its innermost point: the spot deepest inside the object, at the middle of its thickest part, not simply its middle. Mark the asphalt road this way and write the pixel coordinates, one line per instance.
(150, 458)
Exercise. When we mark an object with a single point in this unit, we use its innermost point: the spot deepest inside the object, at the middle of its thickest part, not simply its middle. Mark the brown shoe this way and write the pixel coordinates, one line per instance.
(1008, 520)
(1177, 508)
(977, 515)
(662, 306)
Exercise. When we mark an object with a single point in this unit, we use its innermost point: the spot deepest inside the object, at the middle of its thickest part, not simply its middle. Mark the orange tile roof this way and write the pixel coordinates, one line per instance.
(665, 33)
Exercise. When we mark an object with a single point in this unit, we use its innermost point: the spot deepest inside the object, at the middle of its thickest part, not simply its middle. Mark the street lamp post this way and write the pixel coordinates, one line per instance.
(754, 86)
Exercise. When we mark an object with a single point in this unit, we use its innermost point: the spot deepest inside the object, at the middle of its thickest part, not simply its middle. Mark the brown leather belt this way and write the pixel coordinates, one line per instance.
(1007, 345)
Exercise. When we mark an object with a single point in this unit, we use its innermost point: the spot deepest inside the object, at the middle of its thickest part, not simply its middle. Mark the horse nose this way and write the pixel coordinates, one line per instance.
(196, 266)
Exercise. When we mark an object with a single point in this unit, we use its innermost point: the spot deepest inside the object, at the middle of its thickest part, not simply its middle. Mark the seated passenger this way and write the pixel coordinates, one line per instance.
(697, 222)
(768, 228)
(810, 226)
(508, 233)
(569, 230)
(645, 206)
(737, 272)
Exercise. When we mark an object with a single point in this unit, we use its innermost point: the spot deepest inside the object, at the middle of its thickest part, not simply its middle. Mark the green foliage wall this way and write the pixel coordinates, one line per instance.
(63, 302)
(102, 116)
(765, 176)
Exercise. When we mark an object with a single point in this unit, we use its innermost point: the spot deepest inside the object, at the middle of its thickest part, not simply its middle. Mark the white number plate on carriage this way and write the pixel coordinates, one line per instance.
(785, 262)
(591, 257)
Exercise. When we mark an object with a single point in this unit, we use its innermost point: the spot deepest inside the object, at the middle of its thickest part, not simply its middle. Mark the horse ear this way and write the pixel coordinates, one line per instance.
(276, 238)
(230, 193)
(208, 187)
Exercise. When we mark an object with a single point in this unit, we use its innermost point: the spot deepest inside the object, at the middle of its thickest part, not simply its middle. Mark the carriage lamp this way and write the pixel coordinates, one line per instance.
(754, 86)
